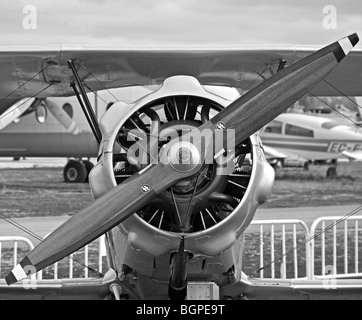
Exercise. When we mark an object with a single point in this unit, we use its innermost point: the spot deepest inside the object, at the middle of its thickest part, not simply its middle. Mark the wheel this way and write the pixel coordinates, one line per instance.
(332, 172)
(75, 171)
(88, 166)
(306, 166)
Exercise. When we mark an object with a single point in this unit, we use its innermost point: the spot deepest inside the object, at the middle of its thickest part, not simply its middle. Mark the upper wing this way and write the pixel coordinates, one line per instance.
(44, 72)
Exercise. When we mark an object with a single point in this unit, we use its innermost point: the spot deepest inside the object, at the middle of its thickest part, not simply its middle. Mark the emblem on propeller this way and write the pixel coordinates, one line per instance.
(221, 126)
(145, 188)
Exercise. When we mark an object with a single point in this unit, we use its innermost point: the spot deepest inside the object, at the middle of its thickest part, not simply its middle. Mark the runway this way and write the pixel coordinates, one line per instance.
(32, 163)
(35, 162)
(42, 226)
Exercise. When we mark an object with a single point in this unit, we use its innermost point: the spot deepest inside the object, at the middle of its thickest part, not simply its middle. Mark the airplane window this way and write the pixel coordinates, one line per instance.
(67, 107)
(298, 131)
(41, 113)
(274, 127)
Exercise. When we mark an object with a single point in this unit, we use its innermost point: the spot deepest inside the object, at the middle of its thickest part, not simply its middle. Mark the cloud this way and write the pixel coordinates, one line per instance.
(154, 22)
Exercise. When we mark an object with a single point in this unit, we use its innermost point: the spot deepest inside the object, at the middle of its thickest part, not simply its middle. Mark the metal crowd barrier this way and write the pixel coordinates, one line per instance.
(14, 240)
(277, 254)
(337, 240)
(281, 246)
(28, 246)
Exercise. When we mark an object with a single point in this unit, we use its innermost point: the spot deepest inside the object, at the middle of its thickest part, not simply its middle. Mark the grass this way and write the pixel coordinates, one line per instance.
(295, 187)
(252, 254)
(79, 263)
(42, 192)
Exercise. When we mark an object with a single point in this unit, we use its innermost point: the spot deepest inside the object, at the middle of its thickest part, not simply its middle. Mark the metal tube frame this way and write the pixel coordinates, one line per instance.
(85, 103)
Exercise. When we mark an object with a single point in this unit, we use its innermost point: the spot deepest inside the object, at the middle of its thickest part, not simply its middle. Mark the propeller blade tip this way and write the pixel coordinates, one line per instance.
(15, 275)
(20, 271)
(345, 45)
(354, 39)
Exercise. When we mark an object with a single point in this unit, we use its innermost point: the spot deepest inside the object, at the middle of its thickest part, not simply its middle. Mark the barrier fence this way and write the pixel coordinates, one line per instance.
(338, 249)
(276, 248)
(281, 245)
(14, 249)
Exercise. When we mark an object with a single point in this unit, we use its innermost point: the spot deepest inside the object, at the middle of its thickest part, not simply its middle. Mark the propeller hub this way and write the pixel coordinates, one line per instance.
(183, 156)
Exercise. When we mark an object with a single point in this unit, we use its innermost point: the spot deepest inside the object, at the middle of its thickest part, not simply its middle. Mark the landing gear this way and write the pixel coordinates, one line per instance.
(88, 166)
(306, 166)
(332, 170)
(77, 171)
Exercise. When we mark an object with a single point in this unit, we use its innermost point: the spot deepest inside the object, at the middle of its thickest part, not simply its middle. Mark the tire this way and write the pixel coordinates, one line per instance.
(331, 172)
(306, 166)
(88, 166)
(75, 171)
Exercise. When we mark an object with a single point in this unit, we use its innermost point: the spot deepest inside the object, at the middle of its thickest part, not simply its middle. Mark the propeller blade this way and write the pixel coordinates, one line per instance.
(90, 223)
(14, 111)
(262, 104)
(246, 115)
(58, 112)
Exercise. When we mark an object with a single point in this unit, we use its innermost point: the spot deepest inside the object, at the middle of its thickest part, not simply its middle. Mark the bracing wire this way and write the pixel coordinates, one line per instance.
(258, 76)
(335, 88)
(23, 84)
(90, 73)
(341, 113)
(34, 96)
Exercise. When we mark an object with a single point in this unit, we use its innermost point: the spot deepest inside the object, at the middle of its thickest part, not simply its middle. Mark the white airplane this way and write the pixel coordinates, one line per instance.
(305, 137)
(57, 127)
(177, 215)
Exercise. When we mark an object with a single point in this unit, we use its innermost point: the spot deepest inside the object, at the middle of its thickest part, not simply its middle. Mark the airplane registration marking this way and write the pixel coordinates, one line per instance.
(239, 185)
(338, 147)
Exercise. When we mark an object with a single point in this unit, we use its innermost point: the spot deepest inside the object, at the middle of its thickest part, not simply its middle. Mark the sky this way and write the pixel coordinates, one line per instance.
(178, 22)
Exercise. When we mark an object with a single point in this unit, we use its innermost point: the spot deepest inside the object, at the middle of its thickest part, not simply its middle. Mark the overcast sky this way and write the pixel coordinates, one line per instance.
(197, 22)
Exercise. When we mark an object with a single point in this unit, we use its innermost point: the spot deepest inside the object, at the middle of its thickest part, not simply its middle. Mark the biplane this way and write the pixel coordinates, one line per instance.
(181, 171)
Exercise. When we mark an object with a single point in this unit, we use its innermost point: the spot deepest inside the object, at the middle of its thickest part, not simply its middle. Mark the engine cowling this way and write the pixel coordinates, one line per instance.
(223, 203)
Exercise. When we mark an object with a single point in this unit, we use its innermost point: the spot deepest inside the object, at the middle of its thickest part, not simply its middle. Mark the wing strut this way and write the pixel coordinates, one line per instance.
(85, 104)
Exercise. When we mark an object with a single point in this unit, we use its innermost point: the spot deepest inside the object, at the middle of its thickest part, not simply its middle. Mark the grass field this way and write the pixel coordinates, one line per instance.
(42, 192)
